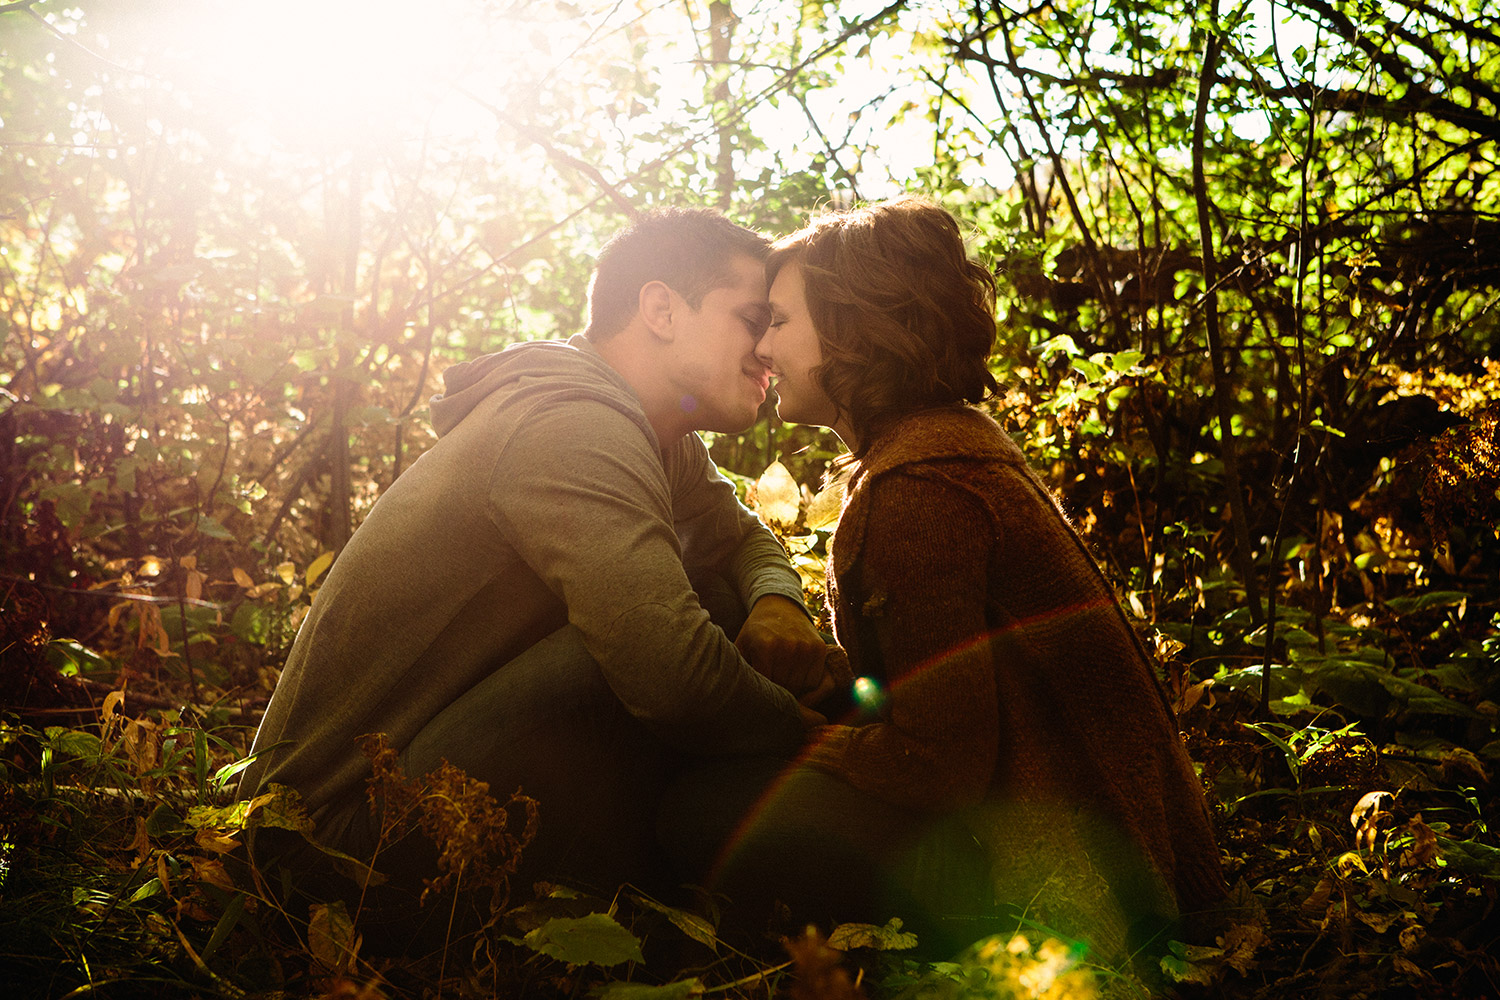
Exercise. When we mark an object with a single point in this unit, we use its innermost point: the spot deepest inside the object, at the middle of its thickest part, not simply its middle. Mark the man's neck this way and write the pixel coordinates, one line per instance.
(643, 374)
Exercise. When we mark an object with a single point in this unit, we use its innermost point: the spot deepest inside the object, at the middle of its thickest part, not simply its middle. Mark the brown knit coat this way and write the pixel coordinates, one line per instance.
(1018, 693)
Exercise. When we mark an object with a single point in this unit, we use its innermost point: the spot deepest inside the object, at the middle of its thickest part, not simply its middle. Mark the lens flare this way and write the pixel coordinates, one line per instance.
(868, 694)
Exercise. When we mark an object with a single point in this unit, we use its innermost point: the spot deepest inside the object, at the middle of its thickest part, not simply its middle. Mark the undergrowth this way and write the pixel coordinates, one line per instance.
(1357, 820)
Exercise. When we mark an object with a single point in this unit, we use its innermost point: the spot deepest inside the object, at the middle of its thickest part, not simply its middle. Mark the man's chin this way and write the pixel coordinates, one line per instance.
(729, 424)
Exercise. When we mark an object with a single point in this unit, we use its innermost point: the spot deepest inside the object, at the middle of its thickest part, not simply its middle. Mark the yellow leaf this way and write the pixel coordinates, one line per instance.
(188, 562)
(150, 566)
(891, 937)
(824, 508)
(162, 874)
(212, 840)
(193, 587)
(112, 702)
(287, 572)
(242, 578)
(318, 567)
(778, 499)
(262, 589)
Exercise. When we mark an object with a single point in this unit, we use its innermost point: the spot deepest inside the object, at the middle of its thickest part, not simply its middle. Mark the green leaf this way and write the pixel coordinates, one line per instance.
(1471, 857)
(1369, 689)
(1088, 369)
(213, 529)
(230, 817)
(1423, 602)
(1123, 361)
(164, 821)
(593, 939)
(84, 746)
(281, 807)
(224, 774)
(146, 891)
(227, 922)
(691, 924)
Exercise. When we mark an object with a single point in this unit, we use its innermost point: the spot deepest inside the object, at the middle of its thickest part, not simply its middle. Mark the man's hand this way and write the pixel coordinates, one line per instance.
(782, 645)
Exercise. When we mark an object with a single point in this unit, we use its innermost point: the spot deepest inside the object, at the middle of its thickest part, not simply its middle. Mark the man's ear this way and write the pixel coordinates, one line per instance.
(656, 309)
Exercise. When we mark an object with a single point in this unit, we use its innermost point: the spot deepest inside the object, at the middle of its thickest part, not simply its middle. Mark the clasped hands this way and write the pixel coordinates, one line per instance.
(780, 642)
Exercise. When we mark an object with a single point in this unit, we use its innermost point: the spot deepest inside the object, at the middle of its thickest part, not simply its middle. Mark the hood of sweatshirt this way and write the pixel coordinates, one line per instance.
(555, 369)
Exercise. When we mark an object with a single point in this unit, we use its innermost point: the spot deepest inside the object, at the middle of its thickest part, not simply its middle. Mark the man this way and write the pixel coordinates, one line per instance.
(524, 601)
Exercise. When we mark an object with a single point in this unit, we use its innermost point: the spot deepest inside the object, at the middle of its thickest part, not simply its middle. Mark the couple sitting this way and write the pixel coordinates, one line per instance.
(564, 595)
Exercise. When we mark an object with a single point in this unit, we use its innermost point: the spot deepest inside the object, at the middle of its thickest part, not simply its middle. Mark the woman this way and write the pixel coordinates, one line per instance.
(1021, 712)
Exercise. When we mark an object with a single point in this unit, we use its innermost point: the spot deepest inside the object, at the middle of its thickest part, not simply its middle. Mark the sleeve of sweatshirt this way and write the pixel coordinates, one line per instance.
(718, 532)
(580, 493)
(923, 585)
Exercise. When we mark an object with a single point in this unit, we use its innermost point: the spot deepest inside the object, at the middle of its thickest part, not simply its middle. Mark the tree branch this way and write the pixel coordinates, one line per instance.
(1222, 389)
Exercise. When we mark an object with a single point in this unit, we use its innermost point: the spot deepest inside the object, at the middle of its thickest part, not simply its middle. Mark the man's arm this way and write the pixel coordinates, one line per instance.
(778, 637)
(579, 491)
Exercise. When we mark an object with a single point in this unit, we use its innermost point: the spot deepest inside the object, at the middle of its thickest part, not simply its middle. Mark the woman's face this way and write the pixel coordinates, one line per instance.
(791, 349)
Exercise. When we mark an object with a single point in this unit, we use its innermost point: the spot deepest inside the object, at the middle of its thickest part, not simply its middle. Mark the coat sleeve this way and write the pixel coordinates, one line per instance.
(720, 534)
(581, 494)
(921, 590)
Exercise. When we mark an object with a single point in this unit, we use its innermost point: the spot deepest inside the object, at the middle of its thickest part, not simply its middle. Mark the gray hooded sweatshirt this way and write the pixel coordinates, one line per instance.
(546, 500)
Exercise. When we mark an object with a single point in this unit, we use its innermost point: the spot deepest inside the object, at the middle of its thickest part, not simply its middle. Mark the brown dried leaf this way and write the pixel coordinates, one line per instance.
(163, 875)
(214, 873)
(1240, 943)
(1317, 901)
(1423, 849)
(1406, 966)
(141, 842)
(819, 972)
(1460, 765)
(1378, 922)
(330, 936)
(891, 937)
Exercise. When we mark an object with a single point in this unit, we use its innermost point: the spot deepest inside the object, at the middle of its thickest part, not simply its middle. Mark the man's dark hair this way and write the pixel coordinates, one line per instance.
(688, 249)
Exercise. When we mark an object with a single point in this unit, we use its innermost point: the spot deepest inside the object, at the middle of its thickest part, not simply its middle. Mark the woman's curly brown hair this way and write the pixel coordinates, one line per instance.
(905, 319)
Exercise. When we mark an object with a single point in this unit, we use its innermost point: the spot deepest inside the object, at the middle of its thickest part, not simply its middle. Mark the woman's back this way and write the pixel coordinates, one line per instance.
(952, 560)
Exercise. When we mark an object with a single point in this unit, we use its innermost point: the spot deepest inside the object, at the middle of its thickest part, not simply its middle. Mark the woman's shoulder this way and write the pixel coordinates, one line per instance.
(940, 434)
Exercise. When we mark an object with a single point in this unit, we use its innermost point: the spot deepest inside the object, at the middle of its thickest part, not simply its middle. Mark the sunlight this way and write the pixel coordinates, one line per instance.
(342, 71)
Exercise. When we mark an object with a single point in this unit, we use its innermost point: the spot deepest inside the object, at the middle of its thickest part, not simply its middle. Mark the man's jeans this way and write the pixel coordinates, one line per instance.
(545, 723)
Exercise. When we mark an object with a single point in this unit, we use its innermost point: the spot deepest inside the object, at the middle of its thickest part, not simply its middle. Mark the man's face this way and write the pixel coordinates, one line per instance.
(720, 381)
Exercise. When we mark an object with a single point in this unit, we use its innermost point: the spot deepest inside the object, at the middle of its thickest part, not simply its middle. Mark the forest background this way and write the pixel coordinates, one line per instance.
(1250, 261)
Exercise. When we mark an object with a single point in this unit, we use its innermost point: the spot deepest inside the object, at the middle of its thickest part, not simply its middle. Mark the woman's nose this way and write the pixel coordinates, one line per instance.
(763, 347)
